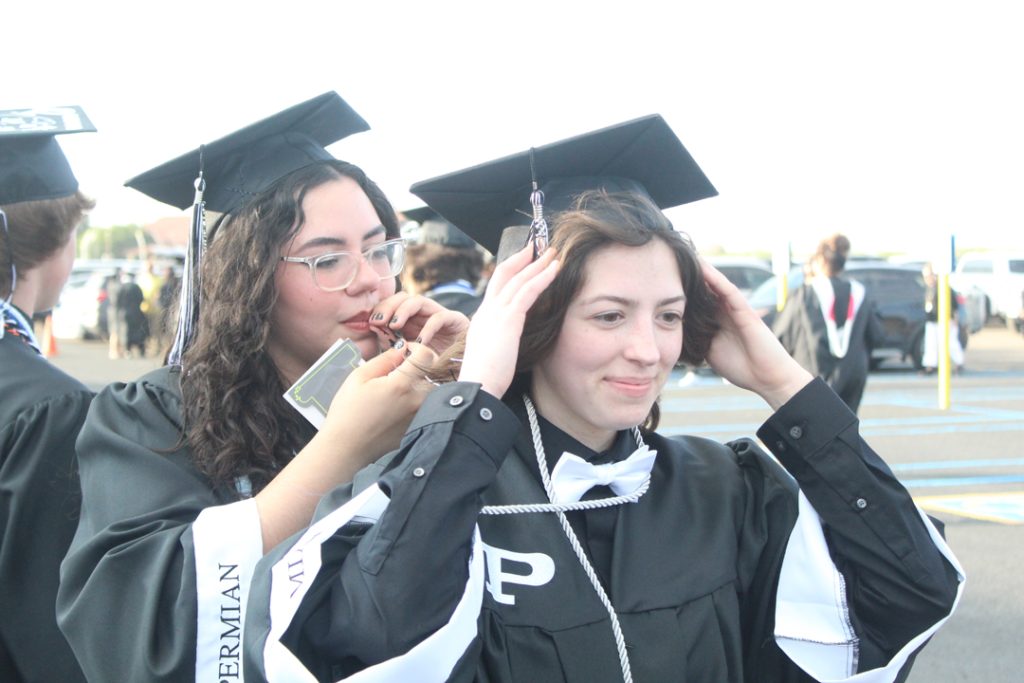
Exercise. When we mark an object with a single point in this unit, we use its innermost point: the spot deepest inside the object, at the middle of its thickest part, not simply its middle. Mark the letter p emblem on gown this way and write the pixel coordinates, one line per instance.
(542, 570)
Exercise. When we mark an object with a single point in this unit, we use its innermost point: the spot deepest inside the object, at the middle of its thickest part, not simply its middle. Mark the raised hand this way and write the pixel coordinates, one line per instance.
(492, 344)
(744, 351)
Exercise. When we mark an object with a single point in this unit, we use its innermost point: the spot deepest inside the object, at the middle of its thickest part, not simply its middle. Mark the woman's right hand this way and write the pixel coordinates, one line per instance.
(378, 400)
(492, 343)
(367, 418)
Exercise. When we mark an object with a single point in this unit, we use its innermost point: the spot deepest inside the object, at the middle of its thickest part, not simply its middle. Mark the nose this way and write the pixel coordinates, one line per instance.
(642, 344)
(366, 279)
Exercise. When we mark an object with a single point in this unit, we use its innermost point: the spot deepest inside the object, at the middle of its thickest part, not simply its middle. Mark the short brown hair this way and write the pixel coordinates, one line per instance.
(597, 220)
(36, 230)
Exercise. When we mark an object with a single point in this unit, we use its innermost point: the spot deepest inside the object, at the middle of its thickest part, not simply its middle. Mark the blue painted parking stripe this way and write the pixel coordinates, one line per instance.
(1003, 507)
(736, 429)
(955, 464)
(940, 482)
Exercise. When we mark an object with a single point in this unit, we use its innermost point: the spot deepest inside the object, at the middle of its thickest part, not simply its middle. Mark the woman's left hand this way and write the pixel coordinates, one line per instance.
(745, 351)
(417, 318)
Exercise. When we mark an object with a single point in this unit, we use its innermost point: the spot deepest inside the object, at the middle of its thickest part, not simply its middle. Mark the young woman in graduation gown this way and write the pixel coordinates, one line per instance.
(192, 472)
(492, 560)
(42, 408)
(829, 324)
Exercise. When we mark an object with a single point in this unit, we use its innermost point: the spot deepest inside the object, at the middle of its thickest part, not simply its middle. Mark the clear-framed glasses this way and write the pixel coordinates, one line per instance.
(336, 270)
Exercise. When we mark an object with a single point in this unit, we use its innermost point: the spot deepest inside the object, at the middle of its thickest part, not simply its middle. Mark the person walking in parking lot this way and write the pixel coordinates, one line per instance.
(42, 408)
(930, 352)
(829, 324)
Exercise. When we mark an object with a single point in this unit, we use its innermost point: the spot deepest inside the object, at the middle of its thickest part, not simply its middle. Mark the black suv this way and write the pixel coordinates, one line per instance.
(898, 292)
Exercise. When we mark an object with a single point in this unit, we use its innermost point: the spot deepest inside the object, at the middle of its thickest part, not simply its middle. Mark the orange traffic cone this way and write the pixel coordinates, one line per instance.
(49, 341)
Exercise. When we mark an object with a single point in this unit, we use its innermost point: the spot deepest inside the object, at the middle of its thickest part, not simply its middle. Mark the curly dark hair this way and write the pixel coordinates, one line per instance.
(236, 421)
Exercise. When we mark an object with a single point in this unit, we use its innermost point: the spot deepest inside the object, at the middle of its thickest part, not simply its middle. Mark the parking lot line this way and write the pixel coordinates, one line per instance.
(1005, 507)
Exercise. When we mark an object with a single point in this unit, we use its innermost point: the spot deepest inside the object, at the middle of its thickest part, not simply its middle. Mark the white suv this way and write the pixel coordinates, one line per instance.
(999, 275)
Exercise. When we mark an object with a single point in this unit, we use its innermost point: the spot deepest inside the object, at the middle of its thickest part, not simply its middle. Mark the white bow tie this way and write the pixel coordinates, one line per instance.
(573, 476)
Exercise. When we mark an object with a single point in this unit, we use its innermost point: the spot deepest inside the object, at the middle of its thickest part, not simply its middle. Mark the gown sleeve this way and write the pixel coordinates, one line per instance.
(155, 542)
(371, 588)
(38, 514)
(866, 576)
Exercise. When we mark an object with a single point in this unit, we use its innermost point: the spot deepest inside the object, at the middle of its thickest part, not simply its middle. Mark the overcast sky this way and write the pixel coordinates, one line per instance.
(895, 122)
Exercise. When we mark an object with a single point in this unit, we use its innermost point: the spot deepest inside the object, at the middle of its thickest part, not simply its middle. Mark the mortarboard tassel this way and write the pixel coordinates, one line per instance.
(191, 282)
(538, 227)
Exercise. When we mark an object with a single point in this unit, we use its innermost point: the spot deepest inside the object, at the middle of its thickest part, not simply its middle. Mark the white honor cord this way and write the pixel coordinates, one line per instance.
(560, 509)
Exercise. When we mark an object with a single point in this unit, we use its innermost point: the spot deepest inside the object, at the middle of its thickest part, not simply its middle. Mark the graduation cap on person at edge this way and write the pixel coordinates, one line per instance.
(434, 229)
(32, 165)
(501, 203)
(224, 174)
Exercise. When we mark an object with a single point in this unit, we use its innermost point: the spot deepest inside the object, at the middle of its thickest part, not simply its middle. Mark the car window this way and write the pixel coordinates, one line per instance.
(891, 286)
(765, 295)
(1016, 265)
(978, 266)
(744, 277)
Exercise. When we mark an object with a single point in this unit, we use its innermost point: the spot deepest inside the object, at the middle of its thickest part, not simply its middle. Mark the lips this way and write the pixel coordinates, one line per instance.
(360, 321)
(632, 387)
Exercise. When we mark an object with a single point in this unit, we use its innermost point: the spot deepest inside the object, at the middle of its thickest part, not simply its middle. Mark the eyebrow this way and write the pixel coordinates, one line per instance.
(631, 302)
(339, 242)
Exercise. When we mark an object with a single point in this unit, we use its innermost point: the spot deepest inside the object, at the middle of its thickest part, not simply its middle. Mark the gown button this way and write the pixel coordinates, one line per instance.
(455, 401)
(796, 432)
(418, 472)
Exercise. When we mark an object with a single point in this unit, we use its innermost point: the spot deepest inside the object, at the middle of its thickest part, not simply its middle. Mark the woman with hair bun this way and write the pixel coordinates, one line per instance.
(829, 324)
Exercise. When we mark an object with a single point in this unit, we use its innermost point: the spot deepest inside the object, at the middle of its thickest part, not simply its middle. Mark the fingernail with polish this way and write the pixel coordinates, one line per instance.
(394, 320)
(419, 340)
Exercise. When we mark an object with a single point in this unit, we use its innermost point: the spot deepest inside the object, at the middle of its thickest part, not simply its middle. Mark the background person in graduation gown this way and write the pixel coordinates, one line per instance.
(130, 299)
(42, 408)
(829, 324)
(190, 473)
(706, 559)
(447, 264)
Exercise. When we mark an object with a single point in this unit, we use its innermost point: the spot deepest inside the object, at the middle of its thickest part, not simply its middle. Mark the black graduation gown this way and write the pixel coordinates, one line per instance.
(801, 329)
(456, 298)
(691, 569)
(40, 415)
(154, 583)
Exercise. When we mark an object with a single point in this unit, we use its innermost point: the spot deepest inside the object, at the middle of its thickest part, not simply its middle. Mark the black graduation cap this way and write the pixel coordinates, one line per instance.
(250, 160)
(642, 156)
(32, 165)
(436, 230)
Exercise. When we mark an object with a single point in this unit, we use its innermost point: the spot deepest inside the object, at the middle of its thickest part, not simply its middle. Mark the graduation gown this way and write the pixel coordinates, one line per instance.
(458, 296)
(154, 584)
(709, 572)
(803, 329)
(40, 415)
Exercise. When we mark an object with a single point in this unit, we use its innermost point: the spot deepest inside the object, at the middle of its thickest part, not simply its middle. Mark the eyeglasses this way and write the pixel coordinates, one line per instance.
(336, 270)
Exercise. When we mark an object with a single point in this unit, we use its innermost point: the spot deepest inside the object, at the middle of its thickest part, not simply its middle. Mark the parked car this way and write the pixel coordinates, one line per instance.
(898, 291)
(79, 314)
(747, 273)
(1000, 276)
